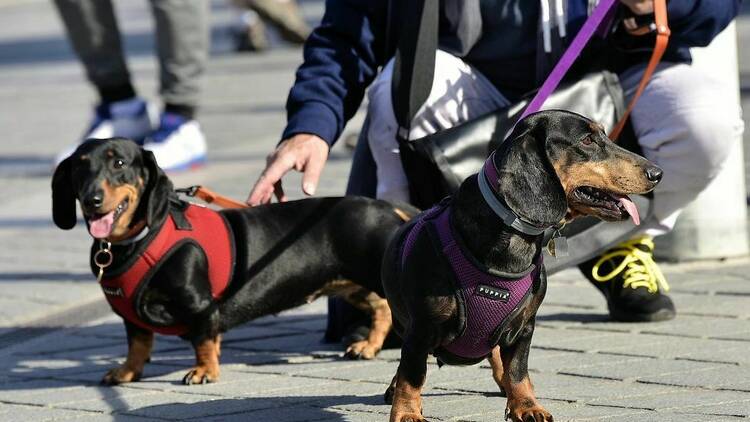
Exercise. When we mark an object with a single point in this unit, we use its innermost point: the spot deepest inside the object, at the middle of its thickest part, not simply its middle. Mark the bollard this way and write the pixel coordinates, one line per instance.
(714, 226)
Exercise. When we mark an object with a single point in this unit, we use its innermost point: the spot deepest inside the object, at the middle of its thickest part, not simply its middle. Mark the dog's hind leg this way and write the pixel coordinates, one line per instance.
(366, 301)
(380, 314)
(140, 343)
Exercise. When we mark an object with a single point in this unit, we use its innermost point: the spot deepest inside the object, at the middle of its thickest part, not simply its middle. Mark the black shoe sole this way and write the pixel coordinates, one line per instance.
(660, 315)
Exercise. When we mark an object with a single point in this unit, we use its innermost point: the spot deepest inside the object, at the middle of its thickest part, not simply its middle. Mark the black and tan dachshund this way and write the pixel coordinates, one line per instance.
(266, 259)
(554, 166)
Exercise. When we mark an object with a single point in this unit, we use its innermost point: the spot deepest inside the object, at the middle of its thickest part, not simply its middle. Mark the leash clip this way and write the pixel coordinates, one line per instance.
(103, 258)
(189, 191)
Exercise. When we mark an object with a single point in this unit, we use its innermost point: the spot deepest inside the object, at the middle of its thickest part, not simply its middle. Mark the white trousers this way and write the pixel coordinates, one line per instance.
(683, 123)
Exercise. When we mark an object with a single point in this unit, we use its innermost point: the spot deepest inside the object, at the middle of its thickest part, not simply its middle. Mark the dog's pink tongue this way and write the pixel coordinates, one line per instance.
(102, 226)
(630, 208)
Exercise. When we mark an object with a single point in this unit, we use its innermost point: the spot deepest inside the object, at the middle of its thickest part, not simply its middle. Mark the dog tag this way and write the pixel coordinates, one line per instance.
(558, 246)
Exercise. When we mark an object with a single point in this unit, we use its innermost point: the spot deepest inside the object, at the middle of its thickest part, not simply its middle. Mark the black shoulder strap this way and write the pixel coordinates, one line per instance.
(414, 65)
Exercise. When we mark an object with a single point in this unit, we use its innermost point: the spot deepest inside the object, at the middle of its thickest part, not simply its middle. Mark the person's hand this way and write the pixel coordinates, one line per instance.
(303, 152)
(639, 7)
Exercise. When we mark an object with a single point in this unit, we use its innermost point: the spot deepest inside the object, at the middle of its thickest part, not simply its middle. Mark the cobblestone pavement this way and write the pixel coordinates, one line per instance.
(57, 337)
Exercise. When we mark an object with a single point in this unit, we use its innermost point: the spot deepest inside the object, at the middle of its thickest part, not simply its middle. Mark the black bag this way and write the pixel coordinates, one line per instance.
(435, 165)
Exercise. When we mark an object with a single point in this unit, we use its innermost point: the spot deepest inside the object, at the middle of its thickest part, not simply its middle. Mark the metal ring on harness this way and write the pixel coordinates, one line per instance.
(103, 257)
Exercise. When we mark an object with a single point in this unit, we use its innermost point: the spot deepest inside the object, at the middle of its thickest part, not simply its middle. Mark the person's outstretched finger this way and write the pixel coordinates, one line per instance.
(265, 186)
(311, 176)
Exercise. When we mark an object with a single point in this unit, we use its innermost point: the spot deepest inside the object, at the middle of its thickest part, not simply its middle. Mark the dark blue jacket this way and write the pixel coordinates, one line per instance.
(343, 54)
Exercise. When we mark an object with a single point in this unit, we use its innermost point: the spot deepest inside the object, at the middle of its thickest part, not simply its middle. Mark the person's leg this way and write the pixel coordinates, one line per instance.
(95, 37)
(459, 93)
(685, 126)
(343, 318)
(182, 33)
(93, 32)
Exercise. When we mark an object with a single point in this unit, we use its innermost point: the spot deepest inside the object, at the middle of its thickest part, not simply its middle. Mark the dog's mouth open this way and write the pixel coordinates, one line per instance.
(608, 205)
(101, 225)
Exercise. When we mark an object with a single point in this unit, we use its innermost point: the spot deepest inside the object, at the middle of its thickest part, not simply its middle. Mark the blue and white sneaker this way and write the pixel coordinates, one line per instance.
(178, 143)
(132, 119)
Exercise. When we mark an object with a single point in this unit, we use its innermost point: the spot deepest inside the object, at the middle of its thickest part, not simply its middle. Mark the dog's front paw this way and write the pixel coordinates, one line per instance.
(362, 349)
(407, 417)
(527, 410)
(201, 375)
(120, 375)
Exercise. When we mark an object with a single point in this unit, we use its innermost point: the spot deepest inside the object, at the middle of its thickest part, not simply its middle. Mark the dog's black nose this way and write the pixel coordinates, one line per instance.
(93, 201)
(653, 174)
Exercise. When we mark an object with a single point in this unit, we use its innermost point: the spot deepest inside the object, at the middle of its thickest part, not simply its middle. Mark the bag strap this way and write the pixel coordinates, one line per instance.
(414, 63)
(661, 26)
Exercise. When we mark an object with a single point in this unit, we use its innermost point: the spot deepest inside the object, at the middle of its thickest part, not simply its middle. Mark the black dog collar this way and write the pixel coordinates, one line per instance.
(509, 217)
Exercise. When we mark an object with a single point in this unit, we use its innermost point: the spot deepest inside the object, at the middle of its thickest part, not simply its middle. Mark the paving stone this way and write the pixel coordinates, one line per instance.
(674, 400)
(562, 411)
(560, 361)
(645, 368)
(116, 417)
(702, 327)
(583, 340)
(739, 408)
(19, 413)
(157, 404)
(721, 376)
(308, 343)
(723, 305)
(292, 414)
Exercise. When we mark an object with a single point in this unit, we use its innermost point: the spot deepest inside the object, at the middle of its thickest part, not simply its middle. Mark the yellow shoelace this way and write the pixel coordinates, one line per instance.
(639, 267)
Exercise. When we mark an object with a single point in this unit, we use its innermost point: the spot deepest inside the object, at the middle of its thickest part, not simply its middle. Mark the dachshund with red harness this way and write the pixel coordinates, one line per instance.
(172, 267)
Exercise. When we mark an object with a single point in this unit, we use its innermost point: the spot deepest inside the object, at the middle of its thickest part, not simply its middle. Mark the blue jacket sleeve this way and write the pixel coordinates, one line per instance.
(340, 60)
(694, 23)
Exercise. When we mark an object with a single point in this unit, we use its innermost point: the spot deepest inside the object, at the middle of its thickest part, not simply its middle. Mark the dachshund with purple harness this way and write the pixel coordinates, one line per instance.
(465, 279)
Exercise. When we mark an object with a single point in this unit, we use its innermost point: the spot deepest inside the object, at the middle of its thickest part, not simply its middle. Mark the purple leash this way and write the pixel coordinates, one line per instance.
(603, 11)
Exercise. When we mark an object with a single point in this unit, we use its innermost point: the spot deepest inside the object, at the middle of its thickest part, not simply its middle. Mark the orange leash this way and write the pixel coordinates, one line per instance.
(661, 26)
(210, 197)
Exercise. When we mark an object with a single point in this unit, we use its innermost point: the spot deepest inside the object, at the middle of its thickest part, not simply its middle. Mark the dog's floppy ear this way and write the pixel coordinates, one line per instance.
(158, 188)
(63, 198)
(528, 182)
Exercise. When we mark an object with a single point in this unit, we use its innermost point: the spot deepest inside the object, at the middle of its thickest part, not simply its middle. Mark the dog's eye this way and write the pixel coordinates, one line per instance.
(587, 140)
(118, 164)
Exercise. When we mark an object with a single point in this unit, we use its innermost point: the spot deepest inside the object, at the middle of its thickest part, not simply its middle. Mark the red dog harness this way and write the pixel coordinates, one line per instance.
(206, 228)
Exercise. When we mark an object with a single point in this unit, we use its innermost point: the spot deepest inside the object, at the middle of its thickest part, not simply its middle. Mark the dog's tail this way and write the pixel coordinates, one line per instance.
(404, 211)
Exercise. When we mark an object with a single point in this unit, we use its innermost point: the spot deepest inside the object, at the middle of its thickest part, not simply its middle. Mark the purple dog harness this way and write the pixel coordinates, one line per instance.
(489, 299)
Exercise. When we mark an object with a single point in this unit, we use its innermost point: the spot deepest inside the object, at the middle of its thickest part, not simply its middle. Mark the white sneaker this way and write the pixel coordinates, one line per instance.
(178, 143)
(130, 119)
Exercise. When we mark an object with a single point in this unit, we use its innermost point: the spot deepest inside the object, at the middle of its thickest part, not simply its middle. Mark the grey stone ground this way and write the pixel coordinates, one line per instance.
(57, 337)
